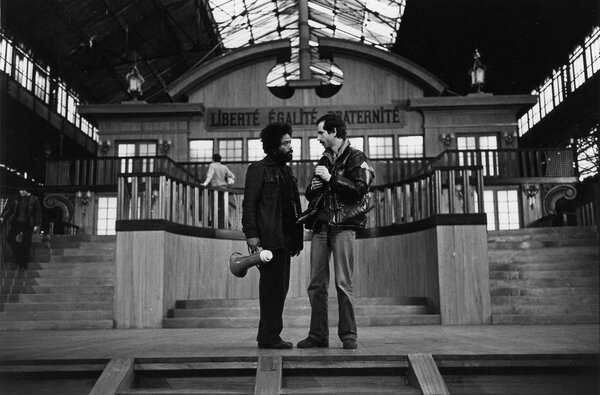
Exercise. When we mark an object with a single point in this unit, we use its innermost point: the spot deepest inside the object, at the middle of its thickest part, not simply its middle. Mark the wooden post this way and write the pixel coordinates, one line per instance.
(424, 375)
(268, 375)
(117, 376)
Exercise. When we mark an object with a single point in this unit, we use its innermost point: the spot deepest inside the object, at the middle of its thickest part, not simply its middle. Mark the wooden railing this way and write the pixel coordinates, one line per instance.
(386, 170)
(103, 171)
(451, 190)
(508, 166)
(448, 190)
(512, 164)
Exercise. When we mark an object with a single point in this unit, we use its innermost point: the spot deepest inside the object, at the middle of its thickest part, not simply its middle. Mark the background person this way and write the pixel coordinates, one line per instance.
(270, 210)
(24, 217)
(218, 175)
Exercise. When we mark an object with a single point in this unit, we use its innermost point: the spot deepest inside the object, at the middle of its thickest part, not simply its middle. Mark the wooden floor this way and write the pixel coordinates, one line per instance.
(437, 340)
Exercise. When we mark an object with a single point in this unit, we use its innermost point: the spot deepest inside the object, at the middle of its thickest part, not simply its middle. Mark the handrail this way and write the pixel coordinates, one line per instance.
(448, 190)
(504, 164)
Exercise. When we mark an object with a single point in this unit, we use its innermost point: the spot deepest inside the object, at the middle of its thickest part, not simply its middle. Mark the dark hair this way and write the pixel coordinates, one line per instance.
(271, 135)
(333, 123)
(216, 158)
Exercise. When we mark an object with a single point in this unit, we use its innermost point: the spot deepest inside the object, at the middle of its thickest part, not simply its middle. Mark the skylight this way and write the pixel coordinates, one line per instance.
(245, 22)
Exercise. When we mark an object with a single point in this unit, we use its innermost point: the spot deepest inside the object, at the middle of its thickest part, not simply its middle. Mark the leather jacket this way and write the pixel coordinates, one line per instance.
(262, 207)
(345, 196)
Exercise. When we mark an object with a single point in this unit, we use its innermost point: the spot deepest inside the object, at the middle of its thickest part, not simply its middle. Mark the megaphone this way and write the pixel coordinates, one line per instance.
(239, 264)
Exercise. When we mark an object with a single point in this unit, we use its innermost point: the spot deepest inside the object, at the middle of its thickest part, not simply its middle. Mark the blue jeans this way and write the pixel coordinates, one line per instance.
(325, 242)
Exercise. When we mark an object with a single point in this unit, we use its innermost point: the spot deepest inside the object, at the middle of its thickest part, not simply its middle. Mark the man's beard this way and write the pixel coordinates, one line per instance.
(282, 157)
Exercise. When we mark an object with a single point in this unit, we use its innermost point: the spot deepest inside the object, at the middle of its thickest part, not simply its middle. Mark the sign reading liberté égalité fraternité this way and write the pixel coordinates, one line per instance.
(382, 116)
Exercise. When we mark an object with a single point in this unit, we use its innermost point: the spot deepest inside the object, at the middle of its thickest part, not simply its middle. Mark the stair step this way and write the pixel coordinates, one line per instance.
(56, 315)
(289, 302)
(541, 274)
(71, 265)
(100, 249)
(545, 282)
(543, 255)
(76, 272)
(517, 319)
(299, 322)
(545, 300)
(56, 281)
(554, 292)
(562, 232)
(537, 244)
(81, 258)
(46, 289)
(576, 309)
(591, 264)
(244, 312)
(57, 306)
(55, 325)
(106, 297)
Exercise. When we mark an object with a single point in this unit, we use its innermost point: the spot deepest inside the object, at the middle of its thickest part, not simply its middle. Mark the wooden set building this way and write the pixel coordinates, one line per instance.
(472, 223)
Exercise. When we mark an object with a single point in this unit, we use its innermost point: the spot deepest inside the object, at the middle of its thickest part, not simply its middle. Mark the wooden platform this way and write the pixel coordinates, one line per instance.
(471, 359)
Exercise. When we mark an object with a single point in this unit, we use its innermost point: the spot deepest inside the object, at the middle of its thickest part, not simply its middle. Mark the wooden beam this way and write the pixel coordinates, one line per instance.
(117, 376)
(268, 375)
(424, 375)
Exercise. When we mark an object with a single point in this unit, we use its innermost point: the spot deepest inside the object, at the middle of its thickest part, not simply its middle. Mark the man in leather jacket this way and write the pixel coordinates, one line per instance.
(340, 186)
(24, 216)
(270, 210)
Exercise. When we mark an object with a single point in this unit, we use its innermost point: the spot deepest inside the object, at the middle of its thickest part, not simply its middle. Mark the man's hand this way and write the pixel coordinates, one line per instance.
(294, 252)
(323, 172)
(316, 183)
(253, 245)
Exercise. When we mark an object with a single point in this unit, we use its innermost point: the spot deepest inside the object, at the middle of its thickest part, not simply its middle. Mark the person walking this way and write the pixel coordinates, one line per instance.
(23, 215)
(218, 175)
(338, 200)
(270, 209)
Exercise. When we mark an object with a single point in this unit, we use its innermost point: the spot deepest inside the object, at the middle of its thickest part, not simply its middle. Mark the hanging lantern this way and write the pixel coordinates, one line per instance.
(477, 72)
(135, 81)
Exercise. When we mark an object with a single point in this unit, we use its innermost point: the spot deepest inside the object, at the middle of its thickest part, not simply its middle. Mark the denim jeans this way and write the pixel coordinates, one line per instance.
(339, 243)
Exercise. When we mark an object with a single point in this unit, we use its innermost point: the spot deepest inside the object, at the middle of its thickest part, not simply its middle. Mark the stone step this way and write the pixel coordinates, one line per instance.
(543, 255)
(300, 322)
(545, 300)
(55, 325)
(545, 283)
(39, 289)
(99, 249)
(561, 319)
(542, 274)
(106, 297)
(58, 306)
(576, 309)
(245, 312)
(591, 264)
(57, 281)
(204, 303)
(553, 292)
(537, 244)
(57, 315)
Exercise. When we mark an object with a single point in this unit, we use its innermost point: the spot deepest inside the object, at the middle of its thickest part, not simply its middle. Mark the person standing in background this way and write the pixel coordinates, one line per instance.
(270, 210)
(24, 217)
(218, 175)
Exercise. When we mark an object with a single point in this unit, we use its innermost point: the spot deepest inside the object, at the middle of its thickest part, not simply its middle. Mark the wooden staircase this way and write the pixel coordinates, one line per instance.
(244, 313)
(69, 285)
(544, 275)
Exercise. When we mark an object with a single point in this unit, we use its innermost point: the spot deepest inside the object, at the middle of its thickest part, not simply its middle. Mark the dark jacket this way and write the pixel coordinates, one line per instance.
(262, 207)
(345, 196)
(34, 210)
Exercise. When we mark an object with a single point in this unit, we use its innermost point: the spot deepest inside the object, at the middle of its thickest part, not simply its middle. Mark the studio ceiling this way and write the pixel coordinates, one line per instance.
(92, 44)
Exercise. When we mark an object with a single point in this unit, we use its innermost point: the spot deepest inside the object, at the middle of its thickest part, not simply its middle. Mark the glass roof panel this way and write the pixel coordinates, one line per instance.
(245, 22)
